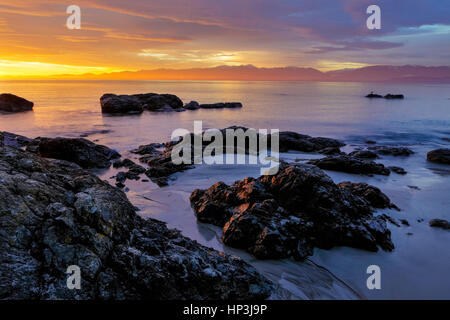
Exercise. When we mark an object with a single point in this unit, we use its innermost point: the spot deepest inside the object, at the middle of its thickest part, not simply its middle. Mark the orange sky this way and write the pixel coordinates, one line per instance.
(136, 35)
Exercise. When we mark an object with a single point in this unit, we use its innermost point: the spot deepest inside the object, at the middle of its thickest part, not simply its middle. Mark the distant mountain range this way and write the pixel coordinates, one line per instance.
(380, 73)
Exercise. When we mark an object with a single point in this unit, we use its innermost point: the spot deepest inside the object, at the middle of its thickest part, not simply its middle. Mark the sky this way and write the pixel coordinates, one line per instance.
(118, 35)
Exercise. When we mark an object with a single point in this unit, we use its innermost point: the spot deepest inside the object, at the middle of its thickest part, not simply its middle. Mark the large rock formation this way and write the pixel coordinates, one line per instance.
(80, 151)
(53, 215)
(346, 163)
(158, 156)
(439, 156)
(13, 103)
(136, 103)
(290, 213)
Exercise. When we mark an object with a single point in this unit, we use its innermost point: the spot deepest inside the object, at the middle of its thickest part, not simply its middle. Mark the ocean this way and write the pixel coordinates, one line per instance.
(417, 268)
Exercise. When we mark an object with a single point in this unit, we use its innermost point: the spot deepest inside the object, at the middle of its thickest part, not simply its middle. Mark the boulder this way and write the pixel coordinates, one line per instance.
(299, 142)
(54, 214)
(398, 170)
(346, 163)
(80, 151)
(112, 103)
(373, 195)
(292, 212)
(440, 223)
(13, 140)
(193, 105)
(363, 154)
(439, 156)
(13, 103)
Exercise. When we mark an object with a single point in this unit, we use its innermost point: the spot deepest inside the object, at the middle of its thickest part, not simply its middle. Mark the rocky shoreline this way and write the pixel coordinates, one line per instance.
(55, 214)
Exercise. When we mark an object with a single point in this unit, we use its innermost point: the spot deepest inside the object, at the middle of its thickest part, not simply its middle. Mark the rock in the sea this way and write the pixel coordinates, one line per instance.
(439, 156)
(221, 105)
(193, 105)
(346, 163)
(80, 151)
(299, 142)
(13, 103)
(112, 103)
(290, 213)
(136, 103)
(374, 95)
(391, 151)
(133, 173)
(394, 96)
(398, 170)
(54, 215)
(440, 223)
(363, 154)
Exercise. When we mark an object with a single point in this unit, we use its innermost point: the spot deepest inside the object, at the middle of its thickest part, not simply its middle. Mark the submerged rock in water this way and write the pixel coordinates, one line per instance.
(439, 156)
(290, 213)
(80, 151)
(398, 170)
(374, 95)
(391, 151)
(54, 215)
(221, 105)
(193, 105)
(363, 154)
(394, 96)
(346, 163)
(440, 223)
(13, 103)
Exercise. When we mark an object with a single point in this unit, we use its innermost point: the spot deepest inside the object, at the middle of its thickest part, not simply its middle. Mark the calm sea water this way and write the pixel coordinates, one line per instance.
(418, 267)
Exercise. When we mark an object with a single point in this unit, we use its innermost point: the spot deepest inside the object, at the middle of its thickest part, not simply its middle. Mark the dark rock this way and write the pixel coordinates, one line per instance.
(404, 222)
(80, 151)
(440, 223)
(370, 142)
(398, 170)
(112, 103)
(394, 96)
(363, 154)
(373, 95)
(54, 214)
(373, 195)
(349, 164)
(12, 103)
(290, 213)
(387, 218)
(13, 140)
(439, 156)
(159, 102)
(299, 142)
(392, 151)
(330, 151)
(193, 105)
(222, 105)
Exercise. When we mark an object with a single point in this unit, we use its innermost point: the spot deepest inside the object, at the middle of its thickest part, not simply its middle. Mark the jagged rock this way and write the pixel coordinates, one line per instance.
(373, 195)
(404, 222)
(54, 214)
(80, 151)
(363, 154)
(349, 164)
(193, 105)
(158, 156)
(112, 103)
(221, 105)
(398, 170)
(392, 151)
(13, 103)
(439, 156)
(133, 173)
(13, 140)
(290, 213)
(440, 223)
